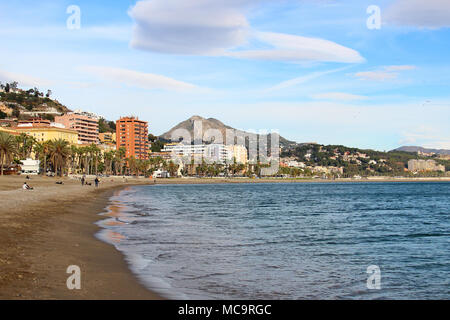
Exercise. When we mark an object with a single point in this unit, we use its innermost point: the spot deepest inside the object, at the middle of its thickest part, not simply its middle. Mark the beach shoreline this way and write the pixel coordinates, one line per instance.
(45, 230)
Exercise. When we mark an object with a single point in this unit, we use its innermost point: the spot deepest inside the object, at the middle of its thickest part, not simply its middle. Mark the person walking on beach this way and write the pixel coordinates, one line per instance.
(82, 180)
(96, 182)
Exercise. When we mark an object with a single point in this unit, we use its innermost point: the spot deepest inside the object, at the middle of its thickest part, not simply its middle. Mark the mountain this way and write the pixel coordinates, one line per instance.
(416, 149)
(212, 123)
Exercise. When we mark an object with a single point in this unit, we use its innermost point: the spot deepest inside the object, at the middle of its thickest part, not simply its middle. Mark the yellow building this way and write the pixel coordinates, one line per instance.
(10, 131)
(107, 137)
(46, 133)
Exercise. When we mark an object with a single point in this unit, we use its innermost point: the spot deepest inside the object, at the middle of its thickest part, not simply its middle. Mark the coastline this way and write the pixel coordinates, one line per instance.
(45, 230)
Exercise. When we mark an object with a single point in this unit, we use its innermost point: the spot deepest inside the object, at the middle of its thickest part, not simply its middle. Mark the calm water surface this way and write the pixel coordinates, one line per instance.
(286, 241)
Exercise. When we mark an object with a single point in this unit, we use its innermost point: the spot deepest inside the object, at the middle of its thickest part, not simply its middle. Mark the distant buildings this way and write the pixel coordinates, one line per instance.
(132, 134)
(238, 153)
(83, 124)
(424, 165)
(107, 137)
(42, 111)
(214, 152)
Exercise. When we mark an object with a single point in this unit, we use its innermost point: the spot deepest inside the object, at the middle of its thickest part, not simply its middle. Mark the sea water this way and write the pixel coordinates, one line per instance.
(286, 240)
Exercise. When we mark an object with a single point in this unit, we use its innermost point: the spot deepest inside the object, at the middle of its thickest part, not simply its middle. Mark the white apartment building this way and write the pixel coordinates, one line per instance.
(218, 153)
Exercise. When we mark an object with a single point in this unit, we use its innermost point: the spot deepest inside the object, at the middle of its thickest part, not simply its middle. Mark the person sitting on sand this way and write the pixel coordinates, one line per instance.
(26, 186)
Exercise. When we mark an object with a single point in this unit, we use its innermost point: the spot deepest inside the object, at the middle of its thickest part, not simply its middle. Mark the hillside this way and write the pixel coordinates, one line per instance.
(18, 101)
(416, 149)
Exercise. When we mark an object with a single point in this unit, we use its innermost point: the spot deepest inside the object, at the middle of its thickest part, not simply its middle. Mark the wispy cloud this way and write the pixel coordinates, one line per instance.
(107, 32)
(139, 79)
(23, 79)
(293, 48)
(431, 14)
(386, 73)
(303, 79)
(399, 68)
(425, 136)
(338, 96)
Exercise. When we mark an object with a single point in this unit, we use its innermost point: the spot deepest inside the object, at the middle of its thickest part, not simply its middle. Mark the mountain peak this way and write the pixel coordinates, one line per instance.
(210, 123)
(196, 117)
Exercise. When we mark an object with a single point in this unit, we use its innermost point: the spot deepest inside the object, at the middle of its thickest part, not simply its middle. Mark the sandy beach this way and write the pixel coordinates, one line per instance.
(43, 231)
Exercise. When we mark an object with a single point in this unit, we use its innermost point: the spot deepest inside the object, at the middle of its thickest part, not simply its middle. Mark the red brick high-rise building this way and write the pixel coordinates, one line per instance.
(132, 134)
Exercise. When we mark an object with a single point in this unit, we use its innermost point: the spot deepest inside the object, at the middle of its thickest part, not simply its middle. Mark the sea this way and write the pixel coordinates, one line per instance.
(361, 240)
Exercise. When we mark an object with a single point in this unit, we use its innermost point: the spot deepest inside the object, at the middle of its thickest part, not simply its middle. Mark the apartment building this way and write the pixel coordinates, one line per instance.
(132, 134)
(424, 165)
(218, 153)
(238, 153)
(86, 126)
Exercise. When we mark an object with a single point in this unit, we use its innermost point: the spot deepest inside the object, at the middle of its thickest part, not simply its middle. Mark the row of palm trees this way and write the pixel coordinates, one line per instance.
(60, 157)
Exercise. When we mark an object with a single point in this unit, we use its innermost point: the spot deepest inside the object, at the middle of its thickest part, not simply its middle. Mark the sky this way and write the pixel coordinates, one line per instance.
(369, 74)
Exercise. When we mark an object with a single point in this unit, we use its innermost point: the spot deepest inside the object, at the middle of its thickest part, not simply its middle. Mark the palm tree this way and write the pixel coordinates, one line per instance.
(108, 159)
(7, 149)
(74, 156)
(120, 156)
(41, 149)
(59, 153)
(25, 144)
(96, 154)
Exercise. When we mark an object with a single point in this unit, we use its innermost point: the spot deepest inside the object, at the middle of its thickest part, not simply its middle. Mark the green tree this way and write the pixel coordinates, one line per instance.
(7, 149)
(59, 151)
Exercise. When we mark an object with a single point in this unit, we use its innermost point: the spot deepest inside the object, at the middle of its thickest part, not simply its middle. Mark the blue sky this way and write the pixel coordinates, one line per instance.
(310, 69)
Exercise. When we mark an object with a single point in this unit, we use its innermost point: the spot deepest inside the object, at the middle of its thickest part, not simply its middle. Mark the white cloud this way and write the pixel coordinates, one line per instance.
(419, 13)
(220, 28)
(338, 96)
(138, 79)
(293, 48)
(387, 73)
(188, 26)
(23, 79)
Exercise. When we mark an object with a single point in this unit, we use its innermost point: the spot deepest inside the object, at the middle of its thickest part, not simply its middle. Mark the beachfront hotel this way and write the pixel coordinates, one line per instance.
(132, 134)
(86, 125)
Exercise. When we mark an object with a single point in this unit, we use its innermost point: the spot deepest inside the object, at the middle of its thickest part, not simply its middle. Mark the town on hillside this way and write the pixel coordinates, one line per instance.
(39, 135)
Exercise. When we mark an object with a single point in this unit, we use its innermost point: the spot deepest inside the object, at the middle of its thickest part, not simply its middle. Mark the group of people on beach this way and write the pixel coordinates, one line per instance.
(84, 182)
